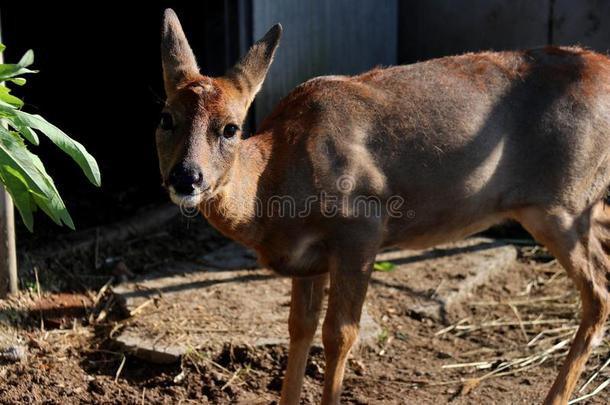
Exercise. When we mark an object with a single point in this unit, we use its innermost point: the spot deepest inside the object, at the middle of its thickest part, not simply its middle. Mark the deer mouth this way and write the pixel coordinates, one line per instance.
(191, 200)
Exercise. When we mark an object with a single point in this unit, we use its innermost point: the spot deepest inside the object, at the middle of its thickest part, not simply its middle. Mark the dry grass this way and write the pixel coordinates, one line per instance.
(542, 320)
(547, 321)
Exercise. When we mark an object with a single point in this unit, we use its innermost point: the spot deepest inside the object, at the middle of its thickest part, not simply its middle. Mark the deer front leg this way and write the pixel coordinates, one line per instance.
(305, 308)
(348, 284)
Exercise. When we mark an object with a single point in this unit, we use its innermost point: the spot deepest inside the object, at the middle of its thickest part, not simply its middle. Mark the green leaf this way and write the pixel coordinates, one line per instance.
(74, 149)
(2, 47)
(27, 59)
(14, 154)
(15, 123)
(19, 81)
(384, 266)
(48, 207)
(62, 212)
(42, 189)
(19, 191)
(29, 134)
(9, 70)
(21, 171)
(9, 98)
(19, 125)
(6, 110)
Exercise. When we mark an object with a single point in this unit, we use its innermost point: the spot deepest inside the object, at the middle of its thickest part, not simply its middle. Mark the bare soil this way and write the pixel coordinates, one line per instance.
(61, 327)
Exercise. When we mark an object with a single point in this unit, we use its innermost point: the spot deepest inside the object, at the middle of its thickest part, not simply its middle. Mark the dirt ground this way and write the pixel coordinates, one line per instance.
(502, 346)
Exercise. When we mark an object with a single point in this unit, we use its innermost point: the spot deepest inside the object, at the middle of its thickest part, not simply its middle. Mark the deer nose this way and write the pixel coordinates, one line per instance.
(186, 178)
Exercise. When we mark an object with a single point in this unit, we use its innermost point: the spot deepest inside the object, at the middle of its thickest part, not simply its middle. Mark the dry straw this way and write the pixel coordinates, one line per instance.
(547, 323)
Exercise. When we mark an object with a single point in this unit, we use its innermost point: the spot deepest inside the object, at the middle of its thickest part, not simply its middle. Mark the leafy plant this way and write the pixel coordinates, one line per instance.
(21, 171)
(384, 266)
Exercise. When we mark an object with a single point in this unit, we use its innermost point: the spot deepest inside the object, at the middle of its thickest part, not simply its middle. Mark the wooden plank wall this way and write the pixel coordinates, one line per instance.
(584, 22)
(434, 28)
(323, 37)
(351, 36)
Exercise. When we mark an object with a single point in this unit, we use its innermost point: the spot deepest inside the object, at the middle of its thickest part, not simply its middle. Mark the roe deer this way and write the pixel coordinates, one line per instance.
(464, 142)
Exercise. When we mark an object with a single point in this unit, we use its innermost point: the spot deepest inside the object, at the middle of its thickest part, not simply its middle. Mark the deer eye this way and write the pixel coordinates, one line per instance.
(230, 130)
(167, 122)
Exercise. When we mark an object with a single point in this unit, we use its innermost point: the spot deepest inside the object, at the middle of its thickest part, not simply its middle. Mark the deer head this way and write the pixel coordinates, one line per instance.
(200, 128)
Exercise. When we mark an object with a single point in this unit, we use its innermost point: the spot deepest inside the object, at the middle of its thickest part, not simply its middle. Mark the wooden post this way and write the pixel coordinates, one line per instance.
(8, 250)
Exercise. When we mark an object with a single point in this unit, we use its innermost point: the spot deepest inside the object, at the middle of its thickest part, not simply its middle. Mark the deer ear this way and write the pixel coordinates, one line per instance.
(179, 64)
(249, 73)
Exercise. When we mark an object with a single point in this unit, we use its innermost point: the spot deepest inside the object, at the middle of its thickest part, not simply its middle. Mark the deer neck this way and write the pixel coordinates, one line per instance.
(233, 211)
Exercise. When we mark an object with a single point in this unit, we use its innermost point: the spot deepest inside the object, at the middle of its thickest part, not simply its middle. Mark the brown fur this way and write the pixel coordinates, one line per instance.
(465, 141)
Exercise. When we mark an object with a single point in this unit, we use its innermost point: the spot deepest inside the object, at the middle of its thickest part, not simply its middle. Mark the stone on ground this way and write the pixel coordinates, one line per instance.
(436, 281)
